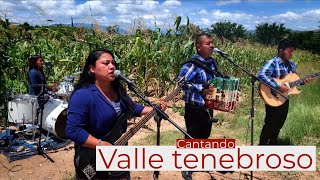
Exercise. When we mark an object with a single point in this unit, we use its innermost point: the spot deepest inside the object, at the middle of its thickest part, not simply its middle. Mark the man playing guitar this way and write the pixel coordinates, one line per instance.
(277, 67)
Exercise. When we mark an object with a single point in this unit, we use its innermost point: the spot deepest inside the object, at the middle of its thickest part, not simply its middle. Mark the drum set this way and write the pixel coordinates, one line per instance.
(23, 110)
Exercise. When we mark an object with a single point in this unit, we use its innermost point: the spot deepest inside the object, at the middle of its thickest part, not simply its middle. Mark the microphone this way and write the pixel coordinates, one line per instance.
(118, 75)
(48, 65)
(220, 52)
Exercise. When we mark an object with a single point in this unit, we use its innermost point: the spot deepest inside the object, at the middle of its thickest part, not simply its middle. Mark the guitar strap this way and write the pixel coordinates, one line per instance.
(126, 99)
(205, 66)
(116, 130)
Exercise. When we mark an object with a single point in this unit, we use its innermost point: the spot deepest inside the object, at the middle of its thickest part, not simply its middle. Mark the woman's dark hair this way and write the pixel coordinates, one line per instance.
(86, 77)
(32, 63)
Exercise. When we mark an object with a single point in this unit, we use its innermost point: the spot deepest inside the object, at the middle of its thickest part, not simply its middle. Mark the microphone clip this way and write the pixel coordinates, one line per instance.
(130, 84)
(223, 54)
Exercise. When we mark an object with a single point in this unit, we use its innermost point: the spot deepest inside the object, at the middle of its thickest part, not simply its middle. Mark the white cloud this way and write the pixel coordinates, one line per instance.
(227, 16)
(206, 22)
(287, 16)
(312, 13)
(137, 7)
(103, 11)
(124, 12)
(148, 17)
(203, 12)
(171, 3)
(166, 10)
(8, 6)
(226, 2)
(125, 21)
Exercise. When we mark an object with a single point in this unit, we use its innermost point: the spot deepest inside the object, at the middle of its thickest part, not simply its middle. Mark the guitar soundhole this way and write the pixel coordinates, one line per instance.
(274, 93)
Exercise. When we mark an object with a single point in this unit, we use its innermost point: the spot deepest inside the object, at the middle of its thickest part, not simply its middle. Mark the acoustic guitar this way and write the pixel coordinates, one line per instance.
(272, 98)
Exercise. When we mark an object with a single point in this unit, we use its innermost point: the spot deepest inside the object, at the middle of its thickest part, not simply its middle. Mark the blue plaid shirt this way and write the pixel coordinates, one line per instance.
(275, 68)
(196, 76)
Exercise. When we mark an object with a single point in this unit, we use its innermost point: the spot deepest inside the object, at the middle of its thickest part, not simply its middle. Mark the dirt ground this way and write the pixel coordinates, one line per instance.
(38, 167)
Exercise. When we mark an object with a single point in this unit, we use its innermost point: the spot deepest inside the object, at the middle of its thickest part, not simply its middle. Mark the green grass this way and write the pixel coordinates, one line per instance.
(240, 122)
(303, 122)
(178, 109)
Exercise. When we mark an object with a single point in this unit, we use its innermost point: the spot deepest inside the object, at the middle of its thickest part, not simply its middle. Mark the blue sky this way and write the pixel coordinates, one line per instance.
(296, 15)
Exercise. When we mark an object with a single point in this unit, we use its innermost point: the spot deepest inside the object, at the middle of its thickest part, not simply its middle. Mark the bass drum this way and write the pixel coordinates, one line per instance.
(55, 117)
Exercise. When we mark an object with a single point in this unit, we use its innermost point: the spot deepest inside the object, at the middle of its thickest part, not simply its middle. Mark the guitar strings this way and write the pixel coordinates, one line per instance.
(123, 140)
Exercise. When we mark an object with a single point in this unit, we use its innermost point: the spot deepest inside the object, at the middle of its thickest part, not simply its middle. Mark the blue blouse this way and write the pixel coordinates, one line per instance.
(90, 112)
(35, 78)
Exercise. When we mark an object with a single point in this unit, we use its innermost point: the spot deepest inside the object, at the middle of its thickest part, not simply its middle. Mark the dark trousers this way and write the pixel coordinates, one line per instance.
(275, 118)
(198, 122)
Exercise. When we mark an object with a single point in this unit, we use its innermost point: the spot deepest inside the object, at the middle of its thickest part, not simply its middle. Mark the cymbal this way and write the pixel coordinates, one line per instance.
(77, 73)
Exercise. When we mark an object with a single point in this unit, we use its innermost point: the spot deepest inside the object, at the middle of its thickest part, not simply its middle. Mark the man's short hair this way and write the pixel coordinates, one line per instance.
(284, 44)
(199, 37)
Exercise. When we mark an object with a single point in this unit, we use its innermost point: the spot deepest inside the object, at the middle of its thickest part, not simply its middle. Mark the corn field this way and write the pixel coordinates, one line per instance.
(151, 58)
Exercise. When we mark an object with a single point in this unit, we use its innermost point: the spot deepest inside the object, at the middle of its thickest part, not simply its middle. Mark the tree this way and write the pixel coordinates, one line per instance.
(229, 30)
(271, 34)
(308, 40)
(189, 30)
(113, 29)
(26, 26)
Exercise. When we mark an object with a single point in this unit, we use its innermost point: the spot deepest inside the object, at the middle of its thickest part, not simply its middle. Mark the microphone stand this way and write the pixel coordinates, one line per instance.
(253, 79)
(6, 139)
(41, 106)
(158, 117)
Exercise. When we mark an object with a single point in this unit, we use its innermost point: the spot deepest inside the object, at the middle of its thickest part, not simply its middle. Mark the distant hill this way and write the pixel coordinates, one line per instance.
(294, 31)
(88, 26)
(122, 31)
(250, 31)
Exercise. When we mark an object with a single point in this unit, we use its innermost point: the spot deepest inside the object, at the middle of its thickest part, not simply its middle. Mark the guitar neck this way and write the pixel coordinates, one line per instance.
(300, 81)
(125, 138)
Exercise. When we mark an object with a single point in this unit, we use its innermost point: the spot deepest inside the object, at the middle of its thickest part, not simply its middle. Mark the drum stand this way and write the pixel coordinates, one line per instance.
(33, 120)
(6, 139)
(41, 106)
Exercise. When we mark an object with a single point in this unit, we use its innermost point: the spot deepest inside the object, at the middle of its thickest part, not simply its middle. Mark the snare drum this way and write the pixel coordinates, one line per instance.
(224, 96)
(22, 109)
(55, 117)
